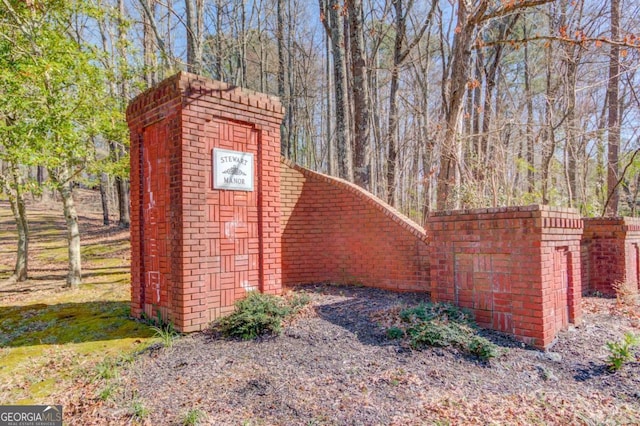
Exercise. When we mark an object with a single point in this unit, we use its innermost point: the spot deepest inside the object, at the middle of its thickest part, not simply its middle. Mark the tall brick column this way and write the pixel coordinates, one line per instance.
(196, 249)
(517, 268)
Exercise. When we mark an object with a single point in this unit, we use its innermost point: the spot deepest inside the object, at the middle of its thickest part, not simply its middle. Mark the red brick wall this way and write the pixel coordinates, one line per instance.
(611, 251)
(196, 250)
(335, 231)
(517, 268)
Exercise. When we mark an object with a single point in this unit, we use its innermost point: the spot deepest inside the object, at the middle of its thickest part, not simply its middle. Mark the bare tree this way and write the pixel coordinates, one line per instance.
(332, 19)
(195, 34)
(360, 90)
(613, 122)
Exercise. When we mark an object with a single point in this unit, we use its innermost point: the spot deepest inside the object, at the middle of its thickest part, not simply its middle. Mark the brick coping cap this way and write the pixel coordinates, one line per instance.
(366, 196)
(190, 83)
(511, 209)
(616, 219)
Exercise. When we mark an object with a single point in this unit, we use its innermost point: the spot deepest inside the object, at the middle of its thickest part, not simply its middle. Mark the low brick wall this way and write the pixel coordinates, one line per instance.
(335, 231)
(610, 253)
(517, 268)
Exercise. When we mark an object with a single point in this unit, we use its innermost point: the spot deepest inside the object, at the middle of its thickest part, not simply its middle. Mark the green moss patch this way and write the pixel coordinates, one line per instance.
(67, 323)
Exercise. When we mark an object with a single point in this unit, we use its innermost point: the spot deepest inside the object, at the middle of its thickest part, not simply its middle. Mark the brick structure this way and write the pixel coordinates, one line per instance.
(195, 249)
(610, 253)
(335, 231)
(517, 268)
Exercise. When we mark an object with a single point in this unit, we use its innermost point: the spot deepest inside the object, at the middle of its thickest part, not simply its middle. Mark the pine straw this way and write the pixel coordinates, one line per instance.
(333, 365)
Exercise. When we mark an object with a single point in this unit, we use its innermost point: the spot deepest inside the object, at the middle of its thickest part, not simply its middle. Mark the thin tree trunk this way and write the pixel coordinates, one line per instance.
(549, 132)
(457, 86)
(529, 99)
(74, 274)
(148, 43)
(19, 210)
(104, 182)
(122, 184)
(194, 27)
(360, 89)
(343, 138)
(399, 56)
(613, 124)
(218, 43)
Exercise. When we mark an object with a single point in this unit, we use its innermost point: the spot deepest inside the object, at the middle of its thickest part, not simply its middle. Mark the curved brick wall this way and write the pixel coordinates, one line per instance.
(334, 231)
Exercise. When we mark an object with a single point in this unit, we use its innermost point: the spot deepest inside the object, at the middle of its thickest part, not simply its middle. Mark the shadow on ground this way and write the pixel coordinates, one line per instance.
(355, 306)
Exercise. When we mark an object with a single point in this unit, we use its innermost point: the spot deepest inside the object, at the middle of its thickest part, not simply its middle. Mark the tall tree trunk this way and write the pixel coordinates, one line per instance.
(457, 85)
(549, 131)
(529, 101)
(392, 130)
(292, 133)
(343, 137)
(148, 43)
(218, 43)
(104, 184)
(281, 52)
(400, 53)
(572, 150)
(74, 274)
(194, 27)
(613, 124)
(13, 189)
(360, 89)
(122, 184)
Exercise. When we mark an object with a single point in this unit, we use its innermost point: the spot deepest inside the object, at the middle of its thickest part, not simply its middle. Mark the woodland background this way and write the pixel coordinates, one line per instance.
(428, 104)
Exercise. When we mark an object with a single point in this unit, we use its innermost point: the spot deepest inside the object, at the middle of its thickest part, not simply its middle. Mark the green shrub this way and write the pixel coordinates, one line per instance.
(138, 410)
(299, 301)
(622, 352)
(437, 333)
(194, 417)
(441, 325)
(482, 348)
(259, 314)
(395, 333)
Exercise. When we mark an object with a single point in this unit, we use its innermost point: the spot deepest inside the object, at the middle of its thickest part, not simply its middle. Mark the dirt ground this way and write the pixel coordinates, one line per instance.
(334, 366)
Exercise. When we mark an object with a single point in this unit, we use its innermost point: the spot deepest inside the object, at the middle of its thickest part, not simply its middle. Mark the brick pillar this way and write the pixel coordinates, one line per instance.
(611, 253)
(197, 249)
(516, 268)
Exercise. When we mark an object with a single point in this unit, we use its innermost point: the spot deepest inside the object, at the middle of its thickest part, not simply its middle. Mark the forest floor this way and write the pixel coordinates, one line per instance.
(332, 364)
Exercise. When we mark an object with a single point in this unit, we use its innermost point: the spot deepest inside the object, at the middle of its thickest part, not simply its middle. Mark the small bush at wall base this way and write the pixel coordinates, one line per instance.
(138, 410)
(258, 314)
(194, 417)
(622, 352)
(166, 333)
(441, 325)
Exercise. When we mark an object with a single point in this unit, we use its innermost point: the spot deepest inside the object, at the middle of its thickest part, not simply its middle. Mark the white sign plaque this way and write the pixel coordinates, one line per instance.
(232, 170)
